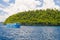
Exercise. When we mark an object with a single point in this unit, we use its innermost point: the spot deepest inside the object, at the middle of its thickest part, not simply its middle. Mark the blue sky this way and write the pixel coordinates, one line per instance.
(41, 1)
(57, 2)
(5, 4)
(2, 13)
(9, 7)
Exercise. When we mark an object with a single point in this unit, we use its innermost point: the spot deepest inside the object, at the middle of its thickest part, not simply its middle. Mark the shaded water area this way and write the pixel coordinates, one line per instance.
(30, 33)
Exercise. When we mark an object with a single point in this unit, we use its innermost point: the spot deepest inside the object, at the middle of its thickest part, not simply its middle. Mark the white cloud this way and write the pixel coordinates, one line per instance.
(6, 0)
(20, 5)
(23, 5)
(49, 4)
(2, 18)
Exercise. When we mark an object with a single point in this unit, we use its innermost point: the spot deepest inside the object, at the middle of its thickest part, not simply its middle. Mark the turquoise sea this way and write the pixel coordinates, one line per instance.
(30, 33)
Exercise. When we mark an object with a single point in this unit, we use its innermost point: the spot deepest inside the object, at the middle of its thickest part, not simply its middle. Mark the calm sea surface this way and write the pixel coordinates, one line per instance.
(30, 33)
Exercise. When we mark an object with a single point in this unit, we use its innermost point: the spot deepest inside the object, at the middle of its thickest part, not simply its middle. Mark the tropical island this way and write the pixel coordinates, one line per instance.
(48, 17)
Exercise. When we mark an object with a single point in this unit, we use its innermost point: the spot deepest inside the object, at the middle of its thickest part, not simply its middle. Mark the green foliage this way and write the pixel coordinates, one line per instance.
(36, 17)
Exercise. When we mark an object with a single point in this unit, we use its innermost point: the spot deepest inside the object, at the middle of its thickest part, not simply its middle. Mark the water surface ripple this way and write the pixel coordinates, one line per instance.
(30, 33)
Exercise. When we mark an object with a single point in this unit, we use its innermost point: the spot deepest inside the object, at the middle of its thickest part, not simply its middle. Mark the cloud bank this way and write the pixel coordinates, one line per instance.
(25, 5)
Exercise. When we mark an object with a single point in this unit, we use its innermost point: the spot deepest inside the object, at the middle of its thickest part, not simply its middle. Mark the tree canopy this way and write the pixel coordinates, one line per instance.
(36, 17)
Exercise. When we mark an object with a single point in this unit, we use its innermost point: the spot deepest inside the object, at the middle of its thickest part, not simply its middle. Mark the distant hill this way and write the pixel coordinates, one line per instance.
(46, 17)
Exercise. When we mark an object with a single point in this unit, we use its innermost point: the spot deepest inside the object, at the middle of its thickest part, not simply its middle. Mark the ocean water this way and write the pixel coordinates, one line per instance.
(30, 33)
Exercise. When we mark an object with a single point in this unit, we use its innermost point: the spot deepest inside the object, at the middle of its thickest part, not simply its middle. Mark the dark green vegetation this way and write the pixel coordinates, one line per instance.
(36, 17)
